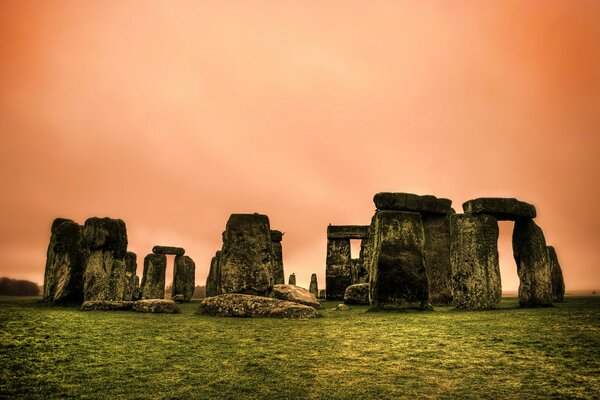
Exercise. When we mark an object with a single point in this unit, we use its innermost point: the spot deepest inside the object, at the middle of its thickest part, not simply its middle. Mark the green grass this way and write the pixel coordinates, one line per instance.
(55, 352)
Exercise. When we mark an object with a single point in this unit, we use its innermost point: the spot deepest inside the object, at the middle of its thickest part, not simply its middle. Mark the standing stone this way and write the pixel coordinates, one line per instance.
(398, 277)
(137, 290)
(292, 279)
(322, 294)
(314, 286)
(65, 263)
(153, 280)
(338, 268)
(558, 284)
(247, 257)
(278, 275)
(130, 273)
(533, 264)
(474, 260)
(184, 278)
(213, 281)
(437, 258)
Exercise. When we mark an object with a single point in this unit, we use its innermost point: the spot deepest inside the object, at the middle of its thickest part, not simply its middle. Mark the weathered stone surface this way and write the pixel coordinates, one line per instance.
(278, 275)
(338, 268)
(474, 261)
(130, 275)
(295, 294)
(501, 208)
(533, 264)
(437, 258)
(105, 276)
(322, 294)
(398, 277)
(558, 284)
(314, 285)
(347, 231)
(247, 257)
(178, 251)
(106, 234)
(153, 280)
(359, 270)
(106, 305)
(156, 306)
(341, 307)
(184, 278)
(248, 306)
(412, 202)
(357, 294)
(137, 290)
(65, 263)
(292, 279)
(213, 281)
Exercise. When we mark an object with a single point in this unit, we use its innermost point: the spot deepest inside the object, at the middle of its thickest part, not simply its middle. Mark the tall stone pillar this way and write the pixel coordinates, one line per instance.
(292, 279)
(278, 275)
(437, 257)
(213, 281)
(184, 278)
(314, 286)
(130, 275)
(338, 268)
(558, 284)
(153, 280)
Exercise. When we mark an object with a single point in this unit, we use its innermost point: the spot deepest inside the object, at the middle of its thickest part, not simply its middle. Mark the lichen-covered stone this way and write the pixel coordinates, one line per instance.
(474, 261)
(184, 278)
(106, 305)
(412, 202)
(347, 231)
(106, 234)
(437, 258)
(558, 284)
(213, 280)
(104, 277)
(156, 306)
(130, 274)
(338, 268)
(322, 294)
(247, 255)
(295, 294)
(249, 306)
(314, 285)
(357, 294)
(398, 277)
(137, 290)
(359, 270)
(278, 275)
(178, 251)
(65, 263)
(292, 279)
(533, 264)
(153, 280)
(502, 208)
(341, 307)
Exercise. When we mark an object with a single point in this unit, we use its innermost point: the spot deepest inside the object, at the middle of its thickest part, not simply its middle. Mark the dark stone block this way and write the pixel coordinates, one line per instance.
(558, 284)
(184, 278)
(130, 273)
(338, 268)
(314, 286)
(178, 251)
(292, 279)
(106, 234)
(153, 280)
(213, 281)
(504, 209)
(357, 294)
(347, 231)
(278, 274)
(412, 202)
(437, 258)
(248, 306)
(276, 236)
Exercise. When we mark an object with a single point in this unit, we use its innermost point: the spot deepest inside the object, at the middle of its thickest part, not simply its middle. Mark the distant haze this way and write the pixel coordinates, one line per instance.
(173, 115)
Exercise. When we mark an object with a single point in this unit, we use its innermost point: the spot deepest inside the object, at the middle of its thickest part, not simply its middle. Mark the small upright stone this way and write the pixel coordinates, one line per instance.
(322, 294)
(213, 281)
(502, 208)
(153, 280)
(178, 251)
(558, 284)
(278, 275)
(314, 286)
(130, 275)
(292, 279)
(184, 278)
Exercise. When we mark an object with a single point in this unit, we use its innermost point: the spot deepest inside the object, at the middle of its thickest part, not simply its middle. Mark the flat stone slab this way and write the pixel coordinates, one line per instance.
(156, 306)
(347, 231)
(106, 305)
(295, 294)
(249, 306)
(178, 251)
(412, 202)
(504, 209)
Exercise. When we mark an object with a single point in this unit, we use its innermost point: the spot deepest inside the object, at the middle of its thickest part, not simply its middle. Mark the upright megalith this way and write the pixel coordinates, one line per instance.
(184, 278)
(153, 280)
(338, 268)
(65, 263)
(213, 281)
(397, 274)
(292, 279)
(278, 275)
(533, 264)
(314, 286)
(558, 284)
(130, 274)
(247, 255)
(474, 260)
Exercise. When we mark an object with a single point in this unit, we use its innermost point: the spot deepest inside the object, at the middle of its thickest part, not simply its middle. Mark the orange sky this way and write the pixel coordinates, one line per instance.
(173, 115)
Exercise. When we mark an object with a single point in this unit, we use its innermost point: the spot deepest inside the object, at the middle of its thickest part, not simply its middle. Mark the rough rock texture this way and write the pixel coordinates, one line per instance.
(341, 307)
(347, 231)
(322, 294)
(558, 284)
(501, 208)
(278, 275)
(295, 294)
(184, 278)
(292, 279)
(130, 274)
(106, 234)
(359, 270)
(137, 290)
(412, 202)
(533, 264)
(398, 277)
(314, 285)
(247, 255)
(437, 258)
(178, 251)
(156, 306)
(474, 260)
(153, 280)
(338, 268)
(357, 294)
(65, 263)
(248, 306)
(213, 280)
(106, 305)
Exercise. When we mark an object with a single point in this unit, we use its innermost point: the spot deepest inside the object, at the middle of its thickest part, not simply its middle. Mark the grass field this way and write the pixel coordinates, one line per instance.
(54, 352)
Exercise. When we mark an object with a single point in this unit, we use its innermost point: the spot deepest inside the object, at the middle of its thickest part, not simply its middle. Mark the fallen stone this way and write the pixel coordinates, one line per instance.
(558, 284)
(278, 275)
(357, 294)
(502, 208)
(342, 307)
(178, 251)
(347, 232)
(153, 280)
(412, 202)
(292, 279)
(178, 298)
(314, 285)
(156, 306)
(295, 294)
(184, 278)
(437, 258)
(338, 268)
(106, 305)
(213, 281)
(249, 306)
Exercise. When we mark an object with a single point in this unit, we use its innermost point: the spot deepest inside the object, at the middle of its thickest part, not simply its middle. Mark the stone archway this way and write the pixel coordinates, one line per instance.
(155, 267)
